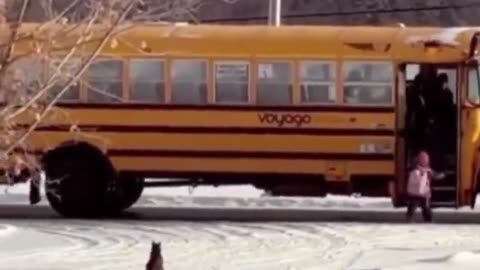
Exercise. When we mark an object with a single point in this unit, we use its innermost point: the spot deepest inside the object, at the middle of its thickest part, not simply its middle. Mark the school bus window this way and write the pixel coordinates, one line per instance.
(23, 79)
(317, 82)
(189, 81)
(473, 85)
(412, 70)
(231, 81)
(368, 83)
(105, 81)
(67, 71)
(147, 82)
(274, 85)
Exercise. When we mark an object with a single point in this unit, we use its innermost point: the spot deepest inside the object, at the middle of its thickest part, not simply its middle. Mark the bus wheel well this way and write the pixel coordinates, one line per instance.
(78, 176)
(69, 147)
(128, 189)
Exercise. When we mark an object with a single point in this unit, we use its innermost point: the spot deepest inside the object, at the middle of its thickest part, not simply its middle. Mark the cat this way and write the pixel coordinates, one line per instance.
(155, 262)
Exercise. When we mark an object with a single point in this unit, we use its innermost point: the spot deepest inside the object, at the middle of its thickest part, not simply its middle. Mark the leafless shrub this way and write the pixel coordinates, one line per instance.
(39, 62)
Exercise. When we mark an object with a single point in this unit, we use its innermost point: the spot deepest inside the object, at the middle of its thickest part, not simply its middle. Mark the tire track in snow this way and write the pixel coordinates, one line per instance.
(103, 245)
(98, 245)
(294, 245)
(320, 240)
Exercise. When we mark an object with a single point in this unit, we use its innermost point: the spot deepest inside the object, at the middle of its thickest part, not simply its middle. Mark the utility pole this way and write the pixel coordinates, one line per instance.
(275, 12)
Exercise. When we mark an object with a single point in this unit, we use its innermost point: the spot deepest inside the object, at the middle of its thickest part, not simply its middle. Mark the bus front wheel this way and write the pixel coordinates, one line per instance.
(78, 176)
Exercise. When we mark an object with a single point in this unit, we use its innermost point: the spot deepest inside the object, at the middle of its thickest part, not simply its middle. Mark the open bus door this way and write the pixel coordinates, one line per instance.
(469, 132)
(444, 193)
(400, 137)
(469, 129)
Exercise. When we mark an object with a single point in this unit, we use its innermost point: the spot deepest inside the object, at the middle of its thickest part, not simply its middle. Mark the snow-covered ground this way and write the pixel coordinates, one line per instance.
(229, 196)
(232, 196)
(73, 244)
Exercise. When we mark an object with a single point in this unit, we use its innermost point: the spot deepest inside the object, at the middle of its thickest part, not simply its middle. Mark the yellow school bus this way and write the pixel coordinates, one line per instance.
(293, 110)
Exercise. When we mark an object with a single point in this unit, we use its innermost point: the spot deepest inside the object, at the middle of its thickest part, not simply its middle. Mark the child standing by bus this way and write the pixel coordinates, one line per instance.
(419, 188)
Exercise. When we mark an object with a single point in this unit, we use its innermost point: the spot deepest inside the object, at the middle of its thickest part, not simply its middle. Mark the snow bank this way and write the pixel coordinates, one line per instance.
(464, 257)
(249, 197)
(6, 230)
(21, 189)
(244, 191)
(462, 260)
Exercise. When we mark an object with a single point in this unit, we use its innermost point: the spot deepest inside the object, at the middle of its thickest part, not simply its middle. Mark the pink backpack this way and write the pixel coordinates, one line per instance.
(419, 182)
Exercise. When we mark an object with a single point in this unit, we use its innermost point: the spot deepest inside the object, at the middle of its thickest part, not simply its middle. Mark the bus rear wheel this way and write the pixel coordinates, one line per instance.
(78, 176)
(128, 189)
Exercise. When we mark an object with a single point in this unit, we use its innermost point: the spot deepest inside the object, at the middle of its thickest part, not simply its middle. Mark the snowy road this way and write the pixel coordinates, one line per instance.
(60, 244)
(109, 245)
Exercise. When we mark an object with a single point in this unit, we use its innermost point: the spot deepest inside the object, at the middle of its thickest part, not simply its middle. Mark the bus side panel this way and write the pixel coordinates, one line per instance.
(342, 147)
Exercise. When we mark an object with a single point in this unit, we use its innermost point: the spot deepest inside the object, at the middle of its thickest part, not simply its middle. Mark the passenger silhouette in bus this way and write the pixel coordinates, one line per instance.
(441, 130)
(417, 115)
(379, 95)
(445, 114)
(353, 93)
(411, 99)
(445, 93)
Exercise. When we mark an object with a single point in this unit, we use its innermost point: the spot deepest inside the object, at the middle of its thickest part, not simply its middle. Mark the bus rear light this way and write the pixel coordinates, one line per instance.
(383, 148)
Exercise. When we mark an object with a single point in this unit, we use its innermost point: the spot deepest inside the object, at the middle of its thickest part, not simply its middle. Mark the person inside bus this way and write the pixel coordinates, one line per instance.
(417, 114)
(354, 93)
(441, 125)
(445, 93)
(445, 113)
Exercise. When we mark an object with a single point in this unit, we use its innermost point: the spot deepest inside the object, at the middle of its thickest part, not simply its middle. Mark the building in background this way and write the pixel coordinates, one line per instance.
(345, 12)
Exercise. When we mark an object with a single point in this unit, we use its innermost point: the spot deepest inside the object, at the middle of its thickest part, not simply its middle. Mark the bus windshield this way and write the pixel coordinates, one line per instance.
(474, 84)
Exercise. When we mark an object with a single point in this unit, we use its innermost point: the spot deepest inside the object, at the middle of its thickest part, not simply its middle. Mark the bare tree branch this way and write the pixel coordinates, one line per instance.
(40, 62)
(40, 117)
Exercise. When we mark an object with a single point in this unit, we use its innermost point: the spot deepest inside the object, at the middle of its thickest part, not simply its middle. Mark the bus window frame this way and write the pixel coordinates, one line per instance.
(344, 82)
(23, 64)
(125, 66)
(293, 78)
(170, 70)
(336, 71)
(129, 79)
(474, 65)
(250, 81)
(79, 82)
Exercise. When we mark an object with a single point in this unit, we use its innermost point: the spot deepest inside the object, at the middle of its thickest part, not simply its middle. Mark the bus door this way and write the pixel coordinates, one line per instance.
(400, 143)
(443, 149)
(469, 133)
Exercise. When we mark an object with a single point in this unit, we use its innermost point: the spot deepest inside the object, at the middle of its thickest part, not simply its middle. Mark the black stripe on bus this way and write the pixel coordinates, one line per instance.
(249, 154)
(223, 130)
(213, 107)
(136, 153)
